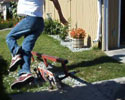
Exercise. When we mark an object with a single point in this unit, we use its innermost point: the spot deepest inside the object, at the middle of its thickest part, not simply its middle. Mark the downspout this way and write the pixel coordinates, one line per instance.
(106, 20)
(98, 37)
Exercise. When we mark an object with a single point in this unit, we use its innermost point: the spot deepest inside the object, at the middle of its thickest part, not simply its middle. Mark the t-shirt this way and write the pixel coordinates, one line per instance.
(30, 7)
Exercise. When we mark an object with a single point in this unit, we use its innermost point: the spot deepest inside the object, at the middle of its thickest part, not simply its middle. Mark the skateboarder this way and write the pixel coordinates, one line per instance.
(30, 27)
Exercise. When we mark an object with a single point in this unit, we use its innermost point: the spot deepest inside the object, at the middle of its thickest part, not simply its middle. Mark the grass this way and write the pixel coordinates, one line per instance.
(93, 65)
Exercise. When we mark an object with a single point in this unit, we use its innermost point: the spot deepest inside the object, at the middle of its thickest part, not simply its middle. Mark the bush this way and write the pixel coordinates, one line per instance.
(53, 27)
(64, 32)
(8, 23)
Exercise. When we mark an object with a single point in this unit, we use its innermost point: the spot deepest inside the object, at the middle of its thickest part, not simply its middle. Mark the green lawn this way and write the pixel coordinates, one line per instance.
(93, 65)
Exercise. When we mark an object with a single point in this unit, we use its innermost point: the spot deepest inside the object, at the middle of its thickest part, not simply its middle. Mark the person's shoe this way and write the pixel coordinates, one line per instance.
(15, 62)
(22, 81)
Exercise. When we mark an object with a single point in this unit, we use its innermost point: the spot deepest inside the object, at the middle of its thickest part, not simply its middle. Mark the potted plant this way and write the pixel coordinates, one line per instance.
(78, 36)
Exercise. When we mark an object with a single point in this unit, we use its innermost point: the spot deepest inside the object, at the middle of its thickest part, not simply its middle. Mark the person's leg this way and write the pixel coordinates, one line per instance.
(27, 46)
(29, 42)
(21, 29)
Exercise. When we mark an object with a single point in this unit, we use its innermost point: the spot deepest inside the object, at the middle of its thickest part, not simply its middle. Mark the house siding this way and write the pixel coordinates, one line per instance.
(81, 13)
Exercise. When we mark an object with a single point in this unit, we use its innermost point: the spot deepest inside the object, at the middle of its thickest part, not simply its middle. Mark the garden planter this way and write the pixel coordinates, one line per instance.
(77, 43)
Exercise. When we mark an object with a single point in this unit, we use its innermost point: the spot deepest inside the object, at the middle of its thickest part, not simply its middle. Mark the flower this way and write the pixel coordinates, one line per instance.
(78, 33)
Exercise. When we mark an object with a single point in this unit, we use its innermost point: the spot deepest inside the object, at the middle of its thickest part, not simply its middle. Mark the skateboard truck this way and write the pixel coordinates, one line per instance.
(45, 73)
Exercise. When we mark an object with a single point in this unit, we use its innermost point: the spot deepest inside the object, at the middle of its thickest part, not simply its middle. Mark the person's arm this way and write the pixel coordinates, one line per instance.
(58, 8)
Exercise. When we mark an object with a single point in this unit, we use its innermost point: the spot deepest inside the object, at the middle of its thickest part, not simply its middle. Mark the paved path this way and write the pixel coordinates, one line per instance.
(118, 54)
(104, 90)
(5, 29)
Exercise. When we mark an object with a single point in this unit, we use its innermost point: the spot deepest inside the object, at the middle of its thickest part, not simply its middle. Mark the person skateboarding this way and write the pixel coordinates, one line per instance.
(31, 26)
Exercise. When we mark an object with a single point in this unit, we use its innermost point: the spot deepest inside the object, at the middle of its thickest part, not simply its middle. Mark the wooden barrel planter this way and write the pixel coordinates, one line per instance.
(78, 43)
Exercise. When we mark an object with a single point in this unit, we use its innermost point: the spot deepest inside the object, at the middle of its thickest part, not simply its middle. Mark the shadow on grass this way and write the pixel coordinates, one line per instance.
(118, 57)
(100, 60)
(3, 71)
(89, 63)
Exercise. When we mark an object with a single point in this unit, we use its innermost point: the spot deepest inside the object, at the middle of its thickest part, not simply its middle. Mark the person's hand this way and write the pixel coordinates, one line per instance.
(63, 21)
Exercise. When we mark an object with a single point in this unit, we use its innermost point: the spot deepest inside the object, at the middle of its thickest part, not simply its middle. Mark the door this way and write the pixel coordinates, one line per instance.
(122, 35)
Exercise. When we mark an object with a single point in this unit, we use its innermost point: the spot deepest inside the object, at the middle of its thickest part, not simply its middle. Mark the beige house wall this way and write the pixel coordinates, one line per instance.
(80, 13)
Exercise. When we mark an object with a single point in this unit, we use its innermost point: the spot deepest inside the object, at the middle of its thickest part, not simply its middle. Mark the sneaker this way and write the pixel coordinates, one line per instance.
(22, 81)
(15, 61)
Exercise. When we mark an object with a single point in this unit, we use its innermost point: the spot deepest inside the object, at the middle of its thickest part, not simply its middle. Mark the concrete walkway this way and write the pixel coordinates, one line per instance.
(6, 29)
(118, 54)
(104, 90)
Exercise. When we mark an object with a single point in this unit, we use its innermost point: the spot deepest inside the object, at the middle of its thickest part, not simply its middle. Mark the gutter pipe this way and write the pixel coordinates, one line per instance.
(98, 37)
(106, 20)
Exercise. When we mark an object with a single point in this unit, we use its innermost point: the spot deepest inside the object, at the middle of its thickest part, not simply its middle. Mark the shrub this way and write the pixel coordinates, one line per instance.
(13, 9)
(53, 27)
(8, 23)
(64, 32)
